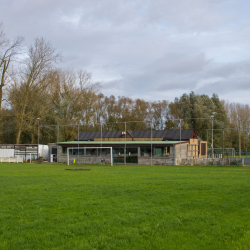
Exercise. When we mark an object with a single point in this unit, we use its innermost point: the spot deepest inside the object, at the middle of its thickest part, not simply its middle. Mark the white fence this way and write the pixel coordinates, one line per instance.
(12, 159)
(28, 152)
(214, 156)
(6, 152)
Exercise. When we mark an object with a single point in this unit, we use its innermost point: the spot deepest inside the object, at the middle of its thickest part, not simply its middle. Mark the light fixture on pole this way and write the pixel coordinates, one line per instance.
(38, 119)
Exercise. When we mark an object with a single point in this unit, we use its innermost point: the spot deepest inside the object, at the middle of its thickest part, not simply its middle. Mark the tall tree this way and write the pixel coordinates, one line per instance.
(34, 79)
(158, 114)
(8, 51)
(196, 110)
(238, 124)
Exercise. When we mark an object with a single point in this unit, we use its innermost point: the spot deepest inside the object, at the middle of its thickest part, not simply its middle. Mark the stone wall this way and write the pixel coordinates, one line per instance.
(87, 159)
(168, 161)
(62, 158)
(181, 151)
(209, 161)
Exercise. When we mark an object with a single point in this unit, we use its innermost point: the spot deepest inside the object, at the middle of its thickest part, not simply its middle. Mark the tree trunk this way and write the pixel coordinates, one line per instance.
(1, 96)
(20, 122)
(5, 66)
(18, 135)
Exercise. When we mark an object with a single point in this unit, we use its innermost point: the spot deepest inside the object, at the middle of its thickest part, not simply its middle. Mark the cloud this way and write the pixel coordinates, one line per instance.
(148, 49)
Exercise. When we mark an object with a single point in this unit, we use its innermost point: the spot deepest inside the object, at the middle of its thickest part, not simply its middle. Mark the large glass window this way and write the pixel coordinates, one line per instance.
(162, 151)
(98, 151)
(105, 151)
(89, 151)
(118, 151)
(54, 151)
(131, 155)
(145, 151)
(159, 152)
(73, 151)
(64, 150)
(118, 155)
(167, 151)
(92, 151)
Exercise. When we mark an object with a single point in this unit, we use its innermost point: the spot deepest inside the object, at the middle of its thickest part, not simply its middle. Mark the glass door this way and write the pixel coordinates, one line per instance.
(132, 155)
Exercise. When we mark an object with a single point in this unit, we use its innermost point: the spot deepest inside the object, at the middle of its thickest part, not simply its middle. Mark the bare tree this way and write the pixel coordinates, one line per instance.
(8, 51)
(34, 78)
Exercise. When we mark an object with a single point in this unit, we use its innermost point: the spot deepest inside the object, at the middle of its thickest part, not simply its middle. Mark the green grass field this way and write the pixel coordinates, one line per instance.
(124, 207)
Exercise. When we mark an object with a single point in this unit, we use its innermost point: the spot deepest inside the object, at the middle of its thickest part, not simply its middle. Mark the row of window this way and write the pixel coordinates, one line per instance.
(119, 151)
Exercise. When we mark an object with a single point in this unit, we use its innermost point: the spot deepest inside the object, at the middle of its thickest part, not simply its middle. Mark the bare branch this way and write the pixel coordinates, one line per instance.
(8, 51)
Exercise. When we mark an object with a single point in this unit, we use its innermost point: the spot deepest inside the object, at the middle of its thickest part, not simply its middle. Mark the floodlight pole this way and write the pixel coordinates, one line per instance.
(212, 117)
(180, 138)
(212, 141)
(151, 144)
(239, 142)
(223, 143)
(125, 153)
(101, 134)
(38, 119)
(57, 143)
(101, 144)
(78, 143)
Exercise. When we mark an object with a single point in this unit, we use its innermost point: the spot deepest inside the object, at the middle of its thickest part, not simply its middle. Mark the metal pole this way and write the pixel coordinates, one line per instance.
(180, 138)
(125, 153)
(207, 142)
(78, 143)
(101, 143)
(101, 134)
(151, 145)
(111, 154)
(57, 142)
(239, 142)
(38, 119)
(246, 145)
(246, 155)
(212, 141)
(223, 143)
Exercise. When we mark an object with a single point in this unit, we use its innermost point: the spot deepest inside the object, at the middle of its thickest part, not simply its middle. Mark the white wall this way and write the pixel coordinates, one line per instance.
(6, 152)
(44, 152)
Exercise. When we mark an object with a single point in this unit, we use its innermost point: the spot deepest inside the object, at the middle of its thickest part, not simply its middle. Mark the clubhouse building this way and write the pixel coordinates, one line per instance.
(143, 147)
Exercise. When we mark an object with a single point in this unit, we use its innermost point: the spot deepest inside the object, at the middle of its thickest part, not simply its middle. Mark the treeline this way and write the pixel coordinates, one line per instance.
(32, 86)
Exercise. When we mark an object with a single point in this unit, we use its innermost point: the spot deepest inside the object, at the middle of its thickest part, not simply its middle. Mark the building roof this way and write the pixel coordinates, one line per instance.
(167, 135)
(119, 143)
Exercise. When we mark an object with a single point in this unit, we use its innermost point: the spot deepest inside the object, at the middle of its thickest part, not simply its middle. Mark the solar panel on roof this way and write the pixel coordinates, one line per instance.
(166, 134)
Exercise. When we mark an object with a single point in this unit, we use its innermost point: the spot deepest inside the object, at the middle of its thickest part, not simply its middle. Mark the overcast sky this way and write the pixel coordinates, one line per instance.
(147, 49)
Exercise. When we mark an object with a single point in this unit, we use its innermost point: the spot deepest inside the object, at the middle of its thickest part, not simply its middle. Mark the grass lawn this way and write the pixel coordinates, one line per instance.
(124, 207)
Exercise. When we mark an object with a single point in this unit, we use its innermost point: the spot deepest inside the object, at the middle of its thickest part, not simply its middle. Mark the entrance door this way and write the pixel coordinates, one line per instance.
(132, 155)
(54, 155)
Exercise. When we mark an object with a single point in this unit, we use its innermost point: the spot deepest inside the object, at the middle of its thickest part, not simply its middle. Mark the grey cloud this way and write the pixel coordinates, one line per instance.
(217, 80)
(226, 70)
(149, 49)
(180, 64)
(227, 86)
